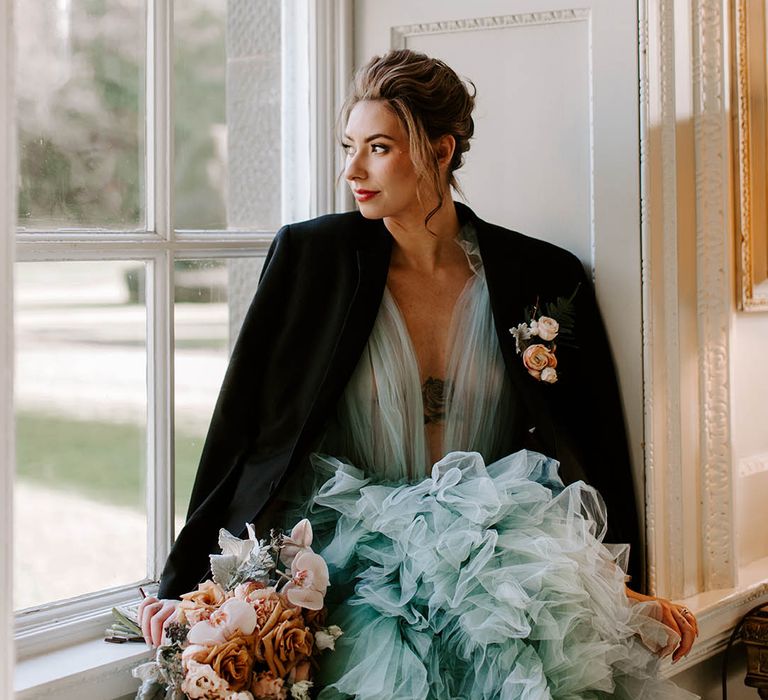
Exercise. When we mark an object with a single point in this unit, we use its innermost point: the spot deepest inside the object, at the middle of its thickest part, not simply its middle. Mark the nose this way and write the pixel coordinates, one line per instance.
(354, 169)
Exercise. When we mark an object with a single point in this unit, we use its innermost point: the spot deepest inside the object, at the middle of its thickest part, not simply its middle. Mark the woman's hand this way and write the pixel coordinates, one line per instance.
(154, 616)
(678, 618)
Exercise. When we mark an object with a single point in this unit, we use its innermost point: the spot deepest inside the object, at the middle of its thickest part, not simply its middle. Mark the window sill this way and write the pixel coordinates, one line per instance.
(88, 670)
(718, 612)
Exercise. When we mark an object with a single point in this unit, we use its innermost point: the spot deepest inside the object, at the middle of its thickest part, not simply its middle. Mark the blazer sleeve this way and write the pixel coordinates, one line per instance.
(590, 433)
(234, 425)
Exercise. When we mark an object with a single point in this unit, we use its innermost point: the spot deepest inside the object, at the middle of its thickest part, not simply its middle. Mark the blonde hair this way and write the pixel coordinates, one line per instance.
(430, 101)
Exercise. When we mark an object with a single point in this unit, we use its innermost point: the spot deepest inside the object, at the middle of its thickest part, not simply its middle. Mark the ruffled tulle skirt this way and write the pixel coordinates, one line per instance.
(479, 582)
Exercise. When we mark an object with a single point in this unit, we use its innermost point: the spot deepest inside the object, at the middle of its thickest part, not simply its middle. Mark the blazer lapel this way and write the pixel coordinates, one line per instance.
(374, 249)
(503, 260)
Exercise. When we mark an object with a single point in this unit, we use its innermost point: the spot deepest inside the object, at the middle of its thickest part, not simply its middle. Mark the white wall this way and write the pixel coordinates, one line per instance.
(749, 367)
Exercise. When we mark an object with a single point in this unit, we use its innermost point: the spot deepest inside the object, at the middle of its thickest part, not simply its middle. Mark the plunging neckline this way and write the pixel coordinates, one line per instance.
(468, 243)
(410, 347)
(412, 358)
(379, 422)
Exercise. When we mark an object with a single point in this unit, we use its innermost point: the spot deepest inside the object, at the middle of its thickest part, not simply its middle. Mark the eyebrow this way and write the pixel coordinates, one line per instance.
(371, 138)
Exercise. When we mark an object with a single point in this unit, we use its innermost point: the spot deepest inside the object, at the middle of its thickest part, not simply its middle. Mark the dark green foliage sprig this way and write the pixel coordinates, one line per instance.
(563, 310)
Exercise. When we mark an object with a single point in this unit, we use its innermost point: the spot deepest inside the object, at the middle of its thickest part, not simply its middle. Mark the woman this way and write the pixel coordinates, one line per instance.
(378, 351)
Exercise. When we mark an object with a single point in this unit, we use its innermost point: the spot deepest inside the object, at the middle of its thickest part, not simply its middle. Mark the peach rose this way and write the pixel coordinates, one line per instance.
(231, 661)
(292, 642)
(265, 609)
(200, 604)
(536, 357)
(201, 681)
(267, 685)
(547, 328)
(300, 672)
(284, 640)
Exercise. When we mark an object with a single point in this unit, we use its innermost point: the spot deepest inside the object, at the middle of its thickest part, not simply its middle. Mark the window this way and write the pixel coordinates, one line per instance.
(144, 216)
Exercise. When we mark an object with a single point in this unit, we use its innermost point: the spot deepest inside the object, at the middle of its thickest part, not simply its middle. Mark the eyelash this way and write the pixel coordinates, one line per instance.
(347, 146)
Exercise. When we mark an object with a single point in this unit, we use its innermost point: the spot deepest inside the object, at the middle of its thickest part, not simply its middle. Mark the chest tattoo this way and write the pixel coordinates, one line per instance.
(434, 392)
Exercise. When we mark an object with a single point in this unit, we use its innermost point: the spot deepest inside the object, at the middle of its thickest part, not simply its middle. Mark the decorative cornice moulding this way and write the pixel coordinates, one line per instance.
(399, 35)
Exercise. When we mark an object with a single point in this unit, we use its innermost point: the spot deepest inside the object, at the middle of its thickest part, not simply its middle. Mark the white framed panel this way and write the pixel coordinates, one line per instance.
(532, 149)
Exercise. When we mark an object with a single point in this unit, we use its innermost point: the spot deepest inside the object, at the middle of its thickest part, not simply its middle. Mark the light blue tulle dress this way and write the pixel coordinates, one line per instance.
(480, 576)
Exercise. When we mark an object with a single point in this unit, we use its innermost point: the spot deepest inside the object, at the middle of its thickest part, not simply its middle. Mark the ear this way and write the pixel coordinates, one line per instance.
(444, 147)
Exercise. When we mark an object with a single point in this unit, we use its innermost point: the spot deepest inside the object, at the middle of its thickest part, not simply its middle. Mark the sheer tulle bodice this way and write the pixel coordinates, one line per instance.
(379, 424)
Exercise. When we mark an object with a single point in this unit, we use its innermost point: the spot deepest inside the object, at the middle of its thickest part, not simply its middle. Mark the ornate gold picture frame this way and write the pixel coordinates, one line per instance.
(749, 86)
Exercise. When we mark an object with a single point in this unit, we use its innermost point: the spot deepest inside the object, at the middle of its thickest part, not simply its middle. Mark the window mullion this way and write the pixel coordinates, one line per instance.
(160, 481)
(160, 453)
(331, 67)
(160, 118)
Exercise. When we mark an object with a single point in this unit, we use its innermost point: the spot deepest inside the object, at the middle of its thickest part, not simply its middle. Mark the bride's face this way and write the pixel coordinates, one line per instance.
(379, 169)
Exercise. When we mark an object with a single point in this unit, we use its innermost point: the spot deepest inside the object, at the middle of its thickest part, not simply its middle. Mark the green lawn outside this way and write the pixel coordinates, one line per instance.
(101, 460)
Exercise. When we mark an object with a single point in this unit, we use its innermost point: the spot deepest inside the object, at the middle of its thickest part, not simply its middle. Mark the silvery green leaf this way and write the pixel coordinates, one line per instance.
(224, 569)
(258, 565)
(149, 671)
(151, 690)
(231, 545)
(175, 694)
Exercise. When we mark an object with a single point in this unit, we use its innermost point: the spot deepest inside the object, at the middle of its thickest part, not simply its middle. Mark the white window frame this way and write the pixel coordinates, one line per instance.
(67, 623)
(7, 244)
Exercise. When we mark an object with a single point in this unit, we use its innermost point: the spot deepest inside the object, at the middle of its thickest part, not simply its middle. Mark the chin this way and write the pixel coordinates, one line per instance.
(369, 212)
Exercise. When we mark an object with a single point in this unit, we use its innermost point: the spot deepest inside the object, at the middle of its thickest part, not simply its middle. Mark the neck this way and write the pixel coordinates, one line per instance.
(422, 249)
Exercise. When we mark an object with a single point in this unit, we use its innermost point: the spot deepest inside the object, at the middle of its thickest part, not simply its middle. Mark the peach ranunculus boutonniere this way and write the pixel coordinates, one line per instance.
(538, 337)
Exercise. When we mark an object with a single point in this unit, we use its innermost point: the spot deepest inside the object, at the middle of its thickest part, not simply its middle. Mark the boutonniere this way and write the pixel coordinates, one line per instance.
(535, 338)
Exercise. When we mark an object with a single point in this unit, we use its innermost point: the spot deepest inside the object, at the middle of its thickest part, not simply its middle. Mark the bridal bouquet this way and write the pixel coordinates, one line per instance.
(253, 631)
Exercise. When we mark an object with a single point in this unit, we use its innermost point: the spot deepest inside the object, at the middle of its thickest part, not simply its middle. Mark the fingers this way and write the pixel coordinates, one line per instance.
(669, 619)
(154, 615)
(688, 634)
(147, 608)
(157, 624)
(692, 619)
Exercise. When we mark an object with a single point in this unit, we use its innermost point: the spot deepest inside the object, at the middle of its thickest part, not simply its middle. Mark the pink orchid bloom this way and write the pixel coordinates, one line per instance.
(309, 580)
(299, 539)
(233, 617)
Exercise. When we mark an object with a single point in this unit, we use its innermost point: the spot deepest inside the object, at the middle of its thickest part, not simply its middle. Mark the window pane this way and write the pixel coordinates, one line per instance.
(80, 83)
(228, 142)
(212, 297)
(81, 408)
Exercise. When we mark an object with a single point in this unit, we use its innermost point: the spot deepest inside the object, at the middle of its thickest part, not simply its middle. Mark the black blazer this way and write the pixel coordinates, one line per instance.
(306, 328)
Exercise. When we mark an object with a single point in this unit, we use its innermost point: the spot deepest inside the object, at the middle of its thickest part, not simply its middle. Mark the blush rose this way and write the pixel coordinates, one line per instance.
(547, 328)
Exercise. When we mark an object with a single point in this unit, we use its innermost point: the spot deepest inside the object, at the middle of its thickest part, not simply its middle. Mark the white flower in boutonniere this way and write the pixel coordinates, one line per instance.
(521, 333)
(535, 339)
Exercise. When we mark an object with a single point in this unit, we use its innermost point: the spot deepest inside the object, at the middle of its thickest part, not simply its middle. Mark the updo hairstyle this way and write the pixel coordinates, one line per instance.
(429, 99)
